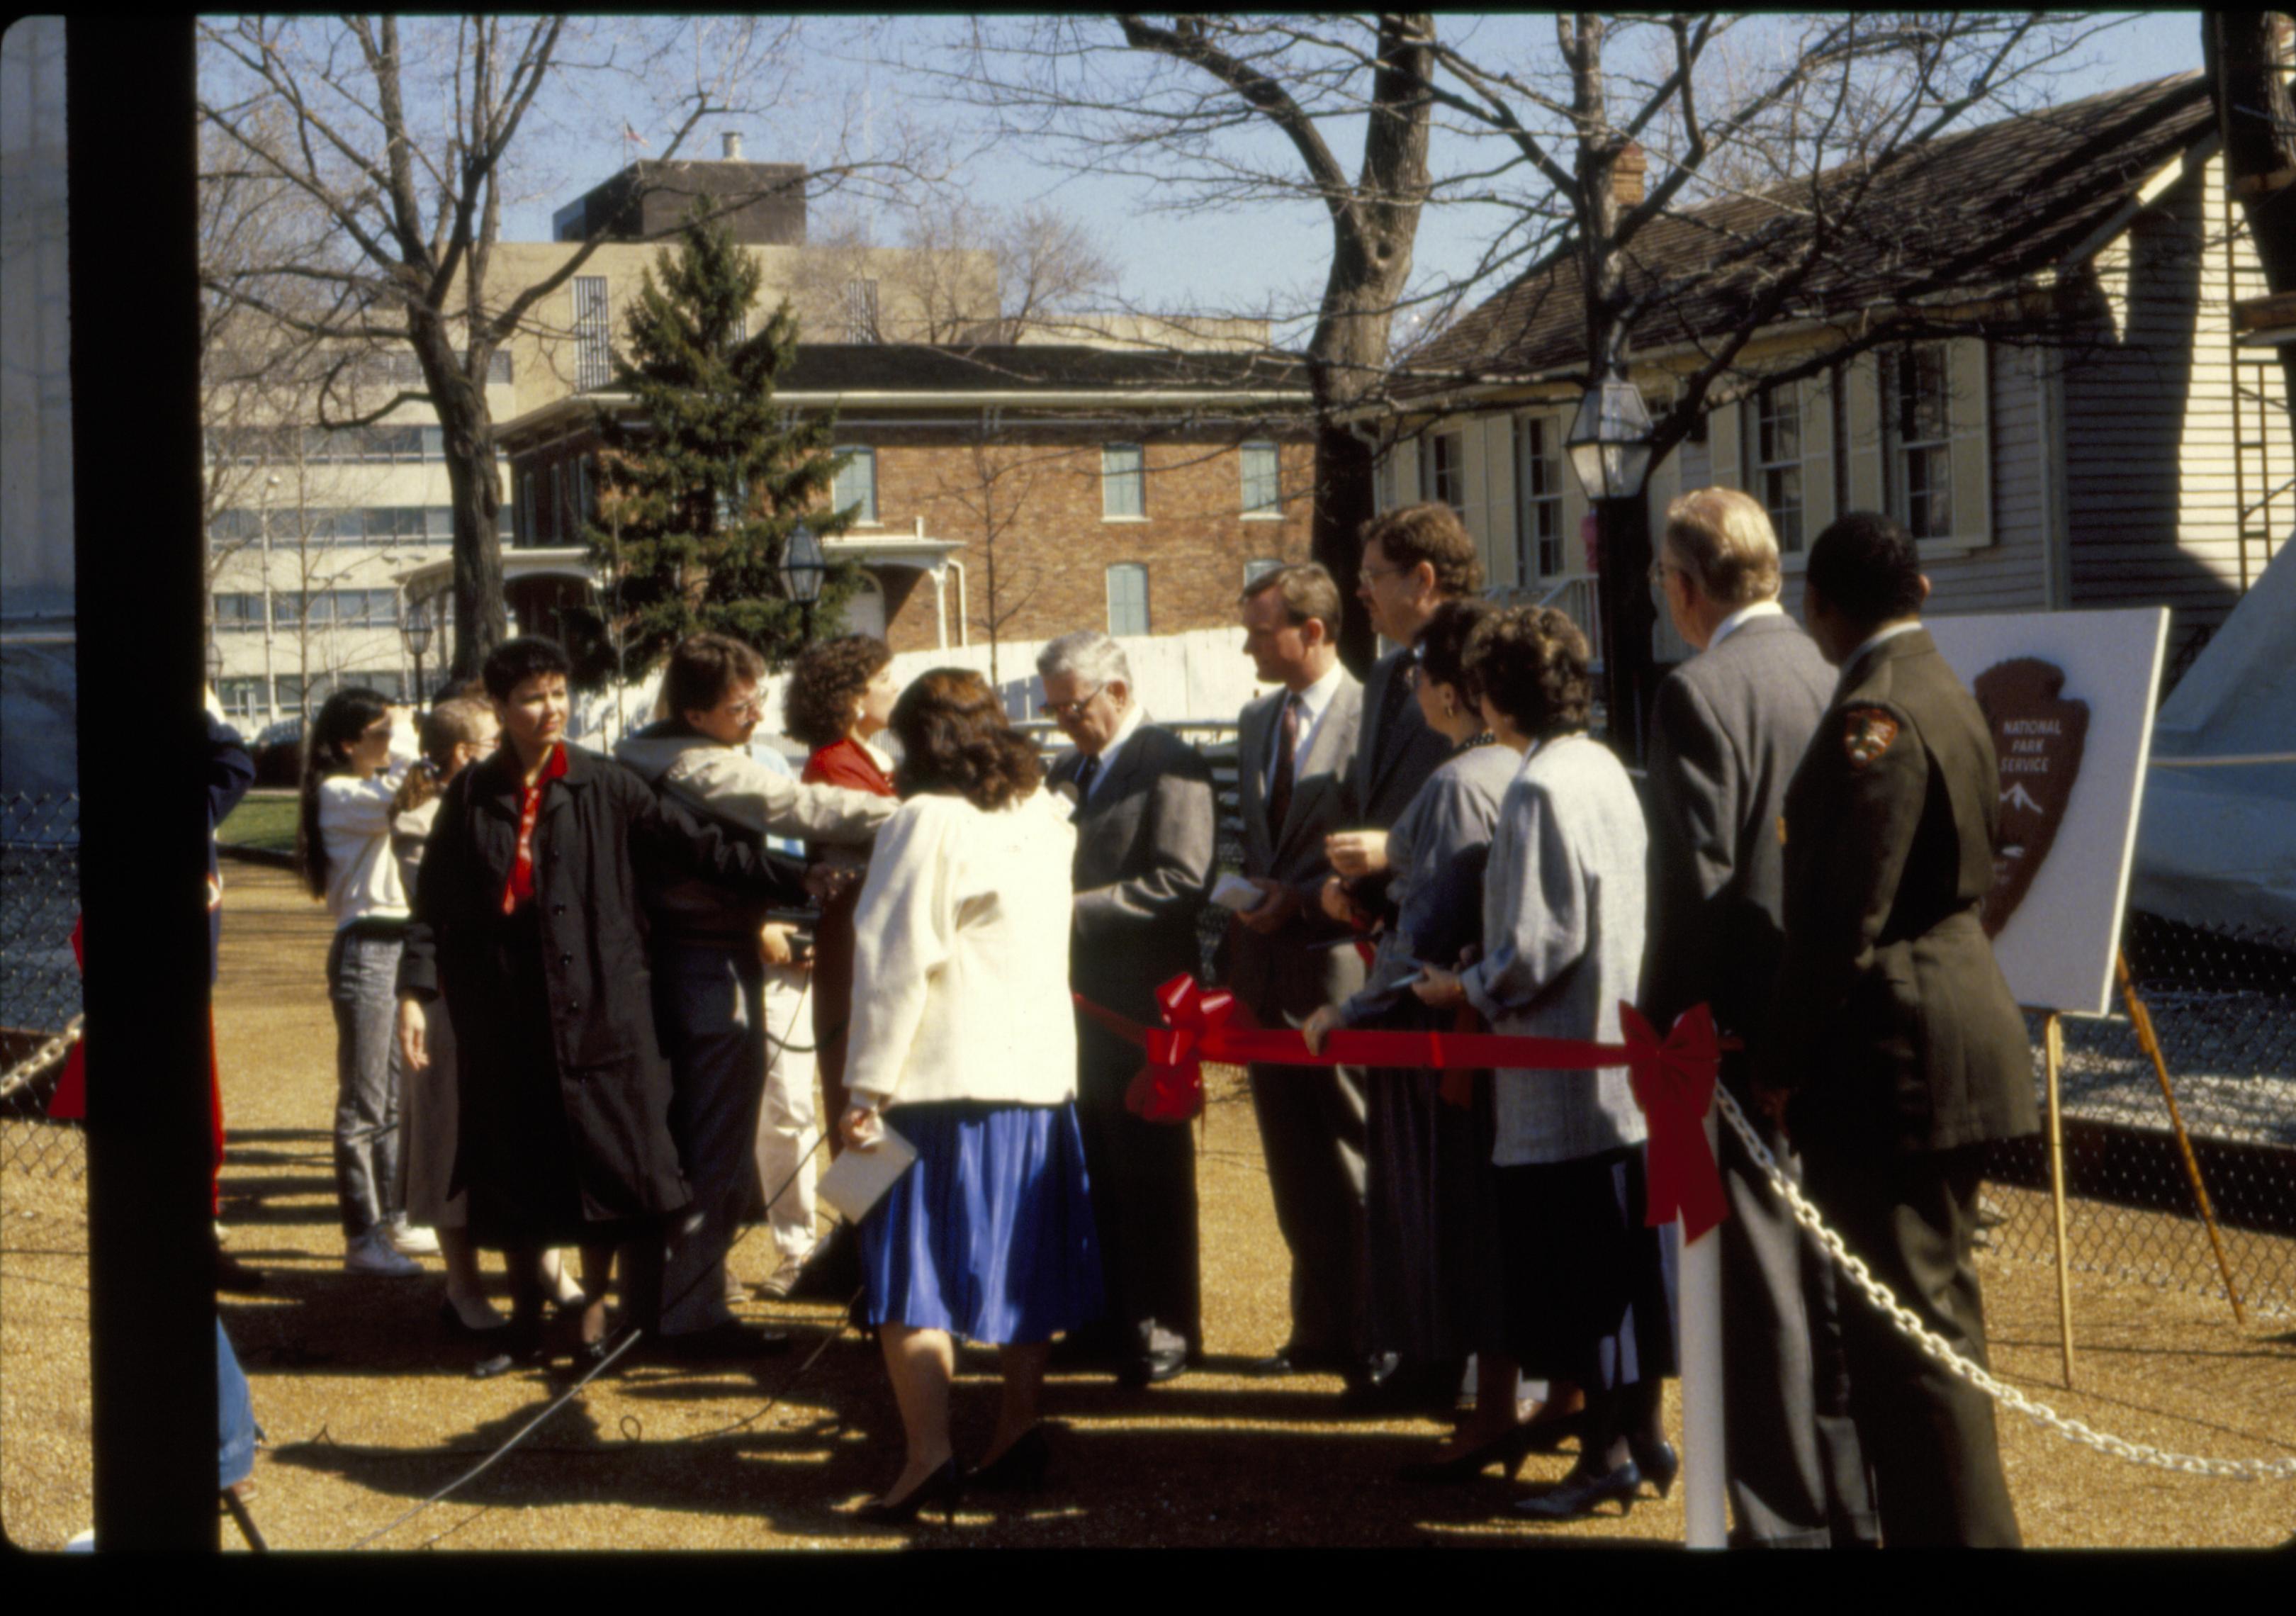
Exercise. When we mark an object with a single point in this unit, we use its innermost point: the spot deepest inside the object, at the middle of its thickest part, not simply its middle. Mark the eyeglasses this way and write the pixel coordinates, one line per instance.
(1070, 710)
(1387, 571)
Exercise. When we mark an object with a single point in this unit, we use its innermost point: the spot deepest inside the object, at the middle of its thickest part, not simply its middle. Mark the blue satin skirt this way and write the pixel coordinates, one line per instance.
(990, 1235)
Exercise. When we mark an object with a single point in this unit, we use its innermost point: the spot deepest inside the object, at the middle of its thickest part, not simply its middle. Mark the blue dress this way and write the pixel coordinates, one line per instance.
(990, 1235)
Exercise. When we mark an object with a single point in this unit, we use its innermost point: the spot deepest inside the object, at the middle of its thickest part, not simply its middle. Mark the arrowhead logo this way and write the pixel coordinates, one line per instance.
(2038, 737)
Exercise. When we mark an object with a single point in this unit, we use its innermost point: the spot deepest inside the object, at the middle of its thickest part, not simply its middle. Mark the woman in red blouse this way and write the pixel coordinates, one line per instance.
(841, 695)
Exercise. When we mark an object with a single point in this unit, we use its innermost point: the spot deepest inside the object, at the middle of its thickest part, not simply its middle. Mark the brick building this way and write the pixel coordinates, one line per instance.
(1013, 491)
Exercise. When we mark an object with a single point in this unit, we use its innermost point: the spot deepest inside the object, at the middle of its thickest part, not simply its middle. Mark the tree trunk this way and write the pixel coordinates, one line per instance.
(468, 427)
(2257, 121)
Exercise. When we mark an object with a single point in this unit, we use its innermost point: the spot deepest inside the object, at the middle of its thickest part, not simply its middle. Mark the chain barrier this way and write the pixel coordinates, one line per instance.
(1910, 1326)
(46, 1055)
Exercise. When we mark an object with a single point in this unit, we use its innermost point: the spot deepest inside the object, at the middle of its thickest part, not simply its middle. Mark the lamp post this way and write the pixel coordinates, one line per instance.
(1608, 445)
(415, 629)
(803, 565)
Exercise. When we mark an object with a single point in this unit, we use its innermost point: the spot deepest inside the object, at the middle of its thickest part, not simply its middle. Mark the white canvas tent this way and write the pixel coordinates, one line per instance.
(2216, 840)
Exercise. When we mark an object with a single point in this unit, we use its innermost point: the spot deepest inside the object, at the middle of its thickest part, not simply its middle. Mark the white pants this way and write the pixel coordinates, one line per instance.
(787, 1126)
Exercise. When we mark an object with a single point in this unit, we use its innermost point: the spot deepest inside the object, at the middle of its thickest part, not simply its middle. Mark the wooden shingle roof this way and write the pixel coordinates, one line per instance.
(1970, 212)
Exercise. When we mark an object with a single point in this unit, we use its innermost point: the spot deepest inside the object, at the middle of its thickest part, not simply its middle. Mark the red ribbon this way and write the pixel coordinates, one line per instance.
(1672, 1078)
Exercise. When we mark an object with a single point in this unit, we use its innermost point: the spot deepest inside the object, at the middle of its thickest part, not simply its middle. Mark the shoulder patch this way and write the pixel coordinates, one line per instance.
(1866, 733)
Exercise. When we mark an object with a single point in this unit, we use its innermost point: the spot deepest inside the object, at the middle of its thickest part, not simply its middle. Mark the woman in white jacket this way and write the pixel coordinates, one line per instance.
(964, 1038)
(342, 842)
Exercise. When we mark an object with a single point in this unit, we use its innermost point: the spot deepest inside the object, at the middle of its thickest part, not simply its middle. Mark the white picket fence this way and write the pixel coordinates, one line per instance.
(1201, 675)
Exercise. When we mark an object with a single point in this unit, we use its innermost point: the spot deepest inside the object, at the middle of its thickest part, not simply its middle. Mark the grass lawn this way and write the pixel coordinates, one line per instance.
(264, 820)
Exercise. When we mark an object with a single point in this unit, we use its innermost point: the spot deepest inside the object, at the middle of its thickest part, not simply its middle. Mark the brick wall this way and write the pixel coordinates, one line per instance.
(1033, 506)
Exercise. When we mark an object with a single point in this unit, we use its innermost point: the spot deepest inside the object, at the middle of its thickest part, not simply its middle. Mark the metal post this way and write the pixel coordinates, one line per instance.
(2052, 1044)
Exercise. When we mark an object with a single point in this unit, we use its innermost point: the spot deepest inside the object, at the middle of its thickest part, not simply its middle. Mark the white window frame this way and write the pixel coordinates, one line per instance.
(1272, 508)
(864, 455)
(1902, 455)
(1538, 497)
(1109, 583)
(1443, 459)
(1769, 470)
(594, 334)
(1113, 478)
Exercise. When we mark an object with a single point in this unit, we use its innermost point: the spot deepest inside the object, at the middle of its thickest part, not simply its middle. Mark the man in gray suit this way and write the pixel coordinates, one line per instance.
(1144, 818)
(1413, 560)
(1286, 958)
(1726, 732)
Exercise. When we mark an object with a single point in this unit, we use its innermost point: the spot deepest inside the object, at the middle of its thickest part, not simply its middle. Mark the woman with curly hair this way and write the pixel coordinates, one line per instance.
(1586, 1294)
(840, 696)
(965, 1041)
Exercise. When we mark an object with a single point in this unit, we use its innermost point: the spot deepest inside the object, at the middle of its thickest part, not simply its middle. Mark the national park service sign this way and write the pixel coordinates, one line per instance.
(2038, 736)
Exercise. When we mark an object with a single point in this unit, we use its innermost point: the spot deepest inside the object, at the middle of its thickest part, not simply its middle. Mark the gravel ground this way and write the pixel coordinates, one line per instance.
(367, 1409)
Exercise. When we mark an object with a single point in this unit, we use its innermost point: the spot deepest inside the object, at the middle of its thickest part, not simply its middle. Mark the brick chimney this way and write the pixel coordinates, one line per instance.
(1626, 176)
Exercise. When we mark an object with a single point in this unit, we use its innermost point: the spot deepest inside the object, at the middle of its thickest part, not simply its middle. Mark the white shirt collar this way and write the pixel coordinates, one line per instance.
(1730, 625)
(1890, 633)
(1132, 721)
(1318, 696)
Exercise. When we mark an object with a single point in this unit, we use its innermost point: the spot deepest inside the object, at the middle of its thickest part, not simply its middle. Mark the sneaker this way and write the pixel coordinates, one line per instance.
(784, 1278)
(413, 1239)
(373, 1253)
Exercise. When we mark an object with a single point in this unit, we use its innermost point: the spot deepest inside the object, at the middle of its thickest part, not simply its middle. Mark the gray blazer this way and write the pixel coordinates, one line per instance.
(1144, 864)
(1562, 944)
(1308, 962)
(1437, 850)
(1727, 731)
(1395, 760)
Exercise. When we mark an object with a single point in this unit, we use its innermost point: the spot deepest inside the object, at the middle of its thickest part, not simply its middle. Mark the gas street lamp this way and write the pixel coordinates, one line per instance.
(804, 564)
(415, 628)
(1609, 448)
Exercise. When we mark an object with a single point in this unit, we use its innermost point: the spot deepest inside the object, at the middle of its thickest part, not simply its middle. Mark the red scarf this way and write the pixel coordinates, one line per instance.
(520, 888)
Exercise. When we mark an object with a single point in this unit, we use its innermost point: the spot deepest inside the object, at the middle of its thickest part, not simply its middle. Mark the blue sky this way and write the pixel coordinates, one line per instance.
(1195, 262)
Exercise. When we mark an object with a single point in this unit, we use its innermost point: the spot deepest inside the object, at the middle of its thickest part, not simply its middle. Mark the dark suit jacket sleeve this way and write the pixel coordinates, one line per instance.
(229, 770)
(1174, 856)
(450, 869)
(1846, 853)
(1694, 815)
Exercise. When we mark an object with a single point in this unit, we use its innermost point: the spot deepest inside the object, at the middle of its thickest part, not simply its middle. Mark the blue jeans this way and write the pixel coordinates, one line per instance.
(235, 1456)
(362, 982)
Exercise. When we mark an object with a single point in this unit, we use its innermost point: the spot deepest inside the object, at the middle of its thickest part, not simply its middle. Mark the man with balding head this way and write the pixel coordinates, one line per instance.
(1726, 732)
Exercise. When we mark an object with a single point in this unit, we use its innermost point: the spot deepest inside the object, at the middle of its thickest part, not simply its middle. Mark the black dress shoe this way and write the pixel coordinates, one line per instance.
(723, 1343)
(1019, 1468)
(521, 1346)
(1153, 1367)
(1575, 1496)
(1275, 1364)
(944, 1487)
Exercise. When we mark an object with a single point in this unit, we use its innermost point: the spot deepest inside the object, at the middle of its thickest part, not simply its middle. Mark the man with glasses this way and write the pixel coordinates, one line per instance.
(710, 967)
(1145, 817)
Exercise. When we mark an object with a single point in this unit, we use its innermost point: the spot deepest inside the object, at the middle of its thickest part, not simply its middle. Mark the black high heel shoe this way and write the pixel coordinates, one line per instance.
(1510, 1447)
(945, 1486)
(1575, 1497)
(1658, 1461)
(522, 1346)
(1020, 1468)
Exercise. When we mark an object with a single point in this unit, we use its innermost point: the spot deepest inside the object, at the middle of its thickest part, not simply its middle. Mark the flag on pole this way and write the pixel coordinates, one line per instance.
(629, 132)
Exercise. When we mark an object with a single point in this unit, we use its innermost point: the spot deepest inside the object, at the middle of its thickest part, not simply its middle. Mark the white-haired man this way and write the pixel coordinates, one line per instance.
(1144, 818)
(1726, 732)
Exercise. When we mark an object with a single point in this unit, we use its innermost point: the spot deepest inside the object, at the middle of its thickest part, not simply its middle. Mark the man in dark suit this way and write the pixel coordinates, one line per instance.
(1413, 560)
(1891, 1026)
(1728, 730)
(1286, 958)
(1146, 821)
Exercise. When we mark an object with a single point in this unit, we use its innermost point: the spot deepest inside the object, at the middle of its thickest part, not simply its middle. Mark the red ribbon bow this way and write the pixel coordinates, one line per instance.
(1170, 1087)
(1673, 1082)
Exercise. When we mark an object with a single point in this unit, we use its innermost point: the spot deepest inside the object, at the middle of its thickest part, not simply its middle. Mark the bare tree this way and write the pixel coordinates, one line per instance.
(1779, 159)
(1002, 475)
(1185, 100)
(404, 139)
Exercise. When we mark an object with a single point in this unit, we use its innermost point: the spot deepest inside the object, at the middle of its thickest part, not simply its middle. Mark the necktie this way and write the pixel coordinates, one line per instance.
(1287, 745)
(1087, 772)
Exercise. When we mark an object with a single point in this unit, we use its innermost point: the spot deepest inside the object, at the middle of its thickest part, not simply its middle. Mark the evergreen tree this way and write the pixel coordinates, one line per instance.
(696, 500)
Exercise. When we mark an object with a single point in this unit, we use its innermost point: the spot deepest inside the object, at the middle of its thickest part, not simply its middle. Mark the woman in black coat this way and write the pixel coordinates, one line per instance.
(527, 918)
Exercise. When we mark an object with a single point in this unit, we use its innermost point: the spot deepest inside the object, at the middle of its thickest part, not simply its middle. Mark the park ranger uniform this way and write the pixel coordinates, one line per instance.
(1895, 1030)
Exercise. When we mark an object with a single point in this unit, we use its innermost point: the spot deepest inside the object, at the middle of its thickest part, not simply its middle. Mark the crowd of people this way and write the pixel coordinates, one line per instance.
(569, 988)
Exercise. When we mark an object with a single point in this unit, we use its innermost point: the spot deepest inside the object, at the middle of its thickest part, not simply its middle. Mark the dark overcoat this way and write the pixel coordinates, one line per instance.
(593, 1042)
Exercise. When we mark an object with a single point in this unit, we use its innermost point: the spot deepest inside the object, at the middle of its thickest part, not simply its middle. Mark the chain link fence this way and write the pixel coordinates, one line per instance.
(2222, 1003)
(39, 981)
